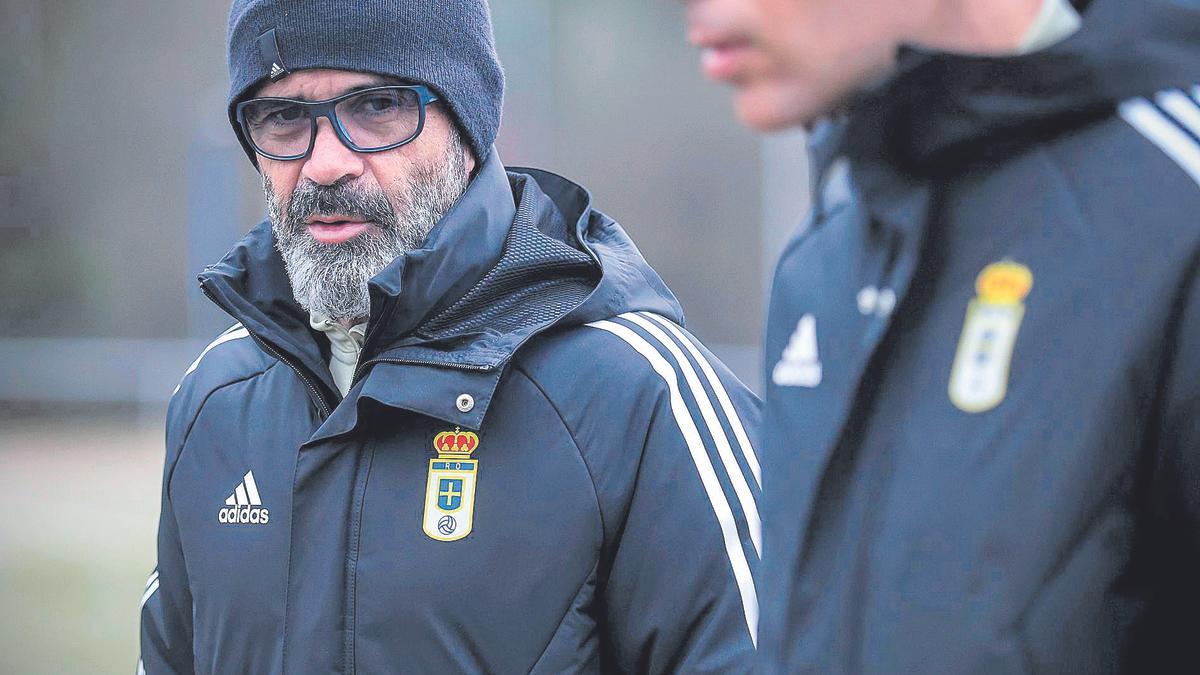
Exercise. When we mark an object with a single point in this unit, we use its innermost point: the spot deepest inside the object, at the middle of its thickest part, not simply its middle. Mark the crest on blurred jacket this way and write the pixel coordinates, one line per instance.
(979, 379)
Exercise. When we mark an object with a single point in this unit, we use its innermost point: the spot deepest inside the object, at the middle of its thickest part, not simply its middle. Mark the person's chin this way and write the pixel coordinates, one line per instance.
(770, 106)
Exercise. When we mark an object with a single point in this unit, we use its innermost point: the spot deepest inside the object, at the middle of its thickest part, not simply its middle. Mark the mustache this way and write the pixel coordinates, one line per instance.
(342, 198)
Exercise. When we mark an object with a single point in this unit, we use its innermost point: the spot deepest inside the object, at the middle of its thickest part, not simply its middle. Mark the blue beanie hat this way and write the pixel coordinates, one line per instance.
(446, 45)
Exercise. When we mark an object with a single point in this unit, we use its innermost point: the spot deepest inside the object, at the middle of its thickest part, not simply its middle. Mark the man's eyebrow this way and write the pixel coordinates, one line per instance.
(374, 82)
(380, 81)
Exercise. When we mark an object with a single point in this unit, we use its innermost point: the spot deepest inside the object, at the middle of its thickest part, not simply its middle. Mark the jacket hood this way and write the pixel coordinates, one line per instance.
(521, 251)
(939, 110)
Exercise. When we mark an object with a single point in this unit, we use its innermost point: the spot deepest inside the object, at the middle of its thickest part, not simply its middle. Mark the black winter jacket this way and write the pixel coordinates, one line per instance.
(982, 438)
(537, 468)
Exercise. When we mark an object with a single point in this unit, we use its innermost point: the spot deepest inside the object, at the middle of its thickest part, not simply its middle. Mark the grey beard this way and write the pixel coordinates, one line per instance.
(330, 280)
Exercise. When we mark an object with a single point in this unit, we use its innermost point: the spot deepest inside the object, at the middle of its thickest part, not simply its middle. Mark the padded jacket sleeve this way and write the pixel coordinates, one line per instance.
(1178, 488)
(1170, 539)
(680, 594)
(166, 612)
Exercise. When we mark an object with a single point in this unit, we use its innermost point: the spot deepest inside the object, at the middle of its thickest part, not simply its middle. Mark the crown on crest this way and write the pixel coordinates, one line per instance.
(456, 443)
(1005, 282)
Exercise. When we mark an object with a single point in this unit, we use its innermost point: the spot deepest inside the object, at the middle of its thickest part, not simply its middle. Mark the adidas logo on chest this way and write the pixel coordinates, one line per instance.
(244, 506)
(800, 365)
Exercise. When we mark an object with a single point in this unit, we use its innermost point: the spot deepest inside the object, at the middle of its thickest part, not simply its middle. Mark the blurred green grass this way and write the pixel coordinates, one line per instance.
(79, 497)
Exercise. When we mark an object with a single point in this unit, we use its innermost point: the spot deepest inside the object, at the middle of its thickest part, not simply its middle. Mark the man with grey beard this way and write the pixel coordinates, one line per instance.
(457, 425)
(331, 280)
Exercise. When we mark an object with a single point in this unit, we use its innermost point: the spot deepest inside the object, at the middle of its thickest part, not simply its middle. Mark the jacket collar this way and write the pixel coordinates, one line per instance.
(458, 252)
(938, 114)
(458, 349)
(251, 284)
(444, 317)
(940, 111)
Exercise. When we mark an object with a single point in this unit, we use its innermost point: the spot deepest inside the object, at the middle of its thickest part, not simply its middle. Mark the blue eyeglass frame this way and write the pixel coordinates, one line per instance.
(327, 109)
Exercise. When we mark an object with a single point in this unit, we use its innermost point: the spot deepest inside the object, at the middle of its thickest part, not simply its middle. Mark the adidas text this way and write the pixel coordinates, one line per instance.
(255, 515)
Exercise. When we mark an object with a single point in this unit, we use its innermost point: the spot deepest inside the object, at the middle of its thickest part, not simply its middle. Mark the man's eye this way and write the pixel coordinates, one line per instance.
(275, 115)
(285, 115)
(379, 104)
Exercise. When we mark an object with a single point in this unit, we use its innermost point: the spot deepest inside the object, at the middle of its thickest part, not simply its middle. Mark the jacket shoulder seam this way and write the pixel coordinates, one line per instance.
(1069, 187)
(574, 441)
(1055, 161)
(196, 416)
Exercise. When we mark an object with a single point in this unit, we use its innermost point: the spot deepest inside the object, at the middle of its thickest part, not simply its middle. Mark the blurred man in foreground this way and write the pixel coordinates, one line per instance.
(457, 426)
(982, 439)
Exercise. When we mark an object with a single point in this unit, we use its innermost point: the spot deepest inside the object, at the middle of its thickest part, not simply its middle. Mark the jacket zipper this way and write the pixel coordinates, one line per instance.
(322, 407)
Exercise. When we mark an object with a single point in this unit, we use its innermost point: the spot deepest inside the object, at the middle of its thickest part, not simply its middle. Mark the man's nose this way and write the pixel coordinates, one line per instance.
(330, 160)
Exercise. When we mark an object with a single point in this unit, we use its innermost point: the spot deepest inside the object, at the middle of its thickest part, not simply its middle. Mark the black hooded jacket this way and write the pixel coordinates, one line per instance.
(982, 436)
(536, 470)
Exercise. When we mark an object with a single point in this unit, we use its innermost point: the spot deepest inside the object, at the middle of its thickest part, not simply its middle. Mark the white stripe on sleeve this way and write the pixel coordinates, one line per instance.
(735, 422)
(149, 592)
(732, 468)
(708, 476)
(1180, 106)
(1164, 133)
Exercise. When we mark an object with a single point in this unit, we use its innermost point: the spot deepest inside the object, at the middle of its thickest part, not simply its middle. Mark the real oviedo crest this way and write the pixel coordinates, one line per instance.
(450, 491)
(979, 378)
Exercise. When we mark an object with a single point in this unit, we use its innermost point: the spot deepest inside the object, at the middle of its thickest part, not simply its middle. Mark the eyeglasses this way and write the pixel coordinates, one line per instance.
(367, 120)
